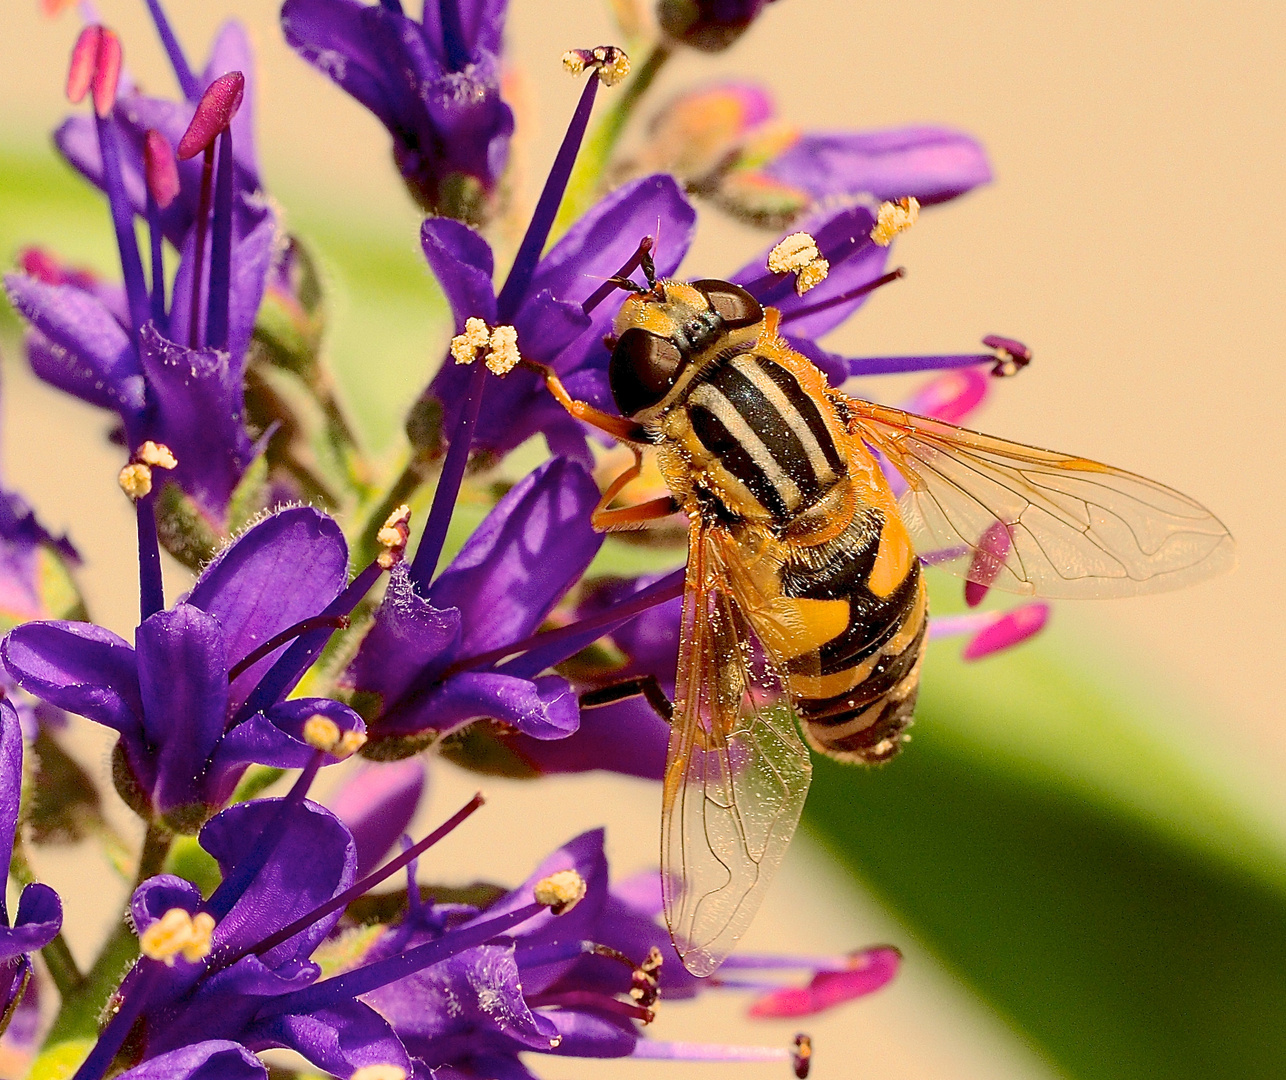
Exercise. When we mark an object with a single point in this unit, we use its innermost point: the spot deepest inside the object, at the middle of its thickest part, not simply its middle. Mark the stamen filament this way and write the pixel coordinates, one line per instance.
(216, 328)
(588, 999)
(158, 265)
(901, 365)
(554, 646)
(449, 480)
(315, 622)
(363, 980)
(151, 586)
(693, 1051)
(843, 298)
(182, 71)
(133, 994)
(365, 885)
(198, 265)
(123, 223)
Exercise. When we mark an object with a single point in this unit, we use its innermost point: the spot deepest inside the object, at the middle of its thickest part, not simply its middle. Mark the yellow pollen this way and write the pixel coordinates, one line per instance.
(464, 347)
(609, 63)
(894, 218)
(135, 480)
(157, 455)
(798, 254)
(561, 891)
(393, 535)
(380, 1072)
(349, 743)
(177, 933)
(503, 356)
(321, 732)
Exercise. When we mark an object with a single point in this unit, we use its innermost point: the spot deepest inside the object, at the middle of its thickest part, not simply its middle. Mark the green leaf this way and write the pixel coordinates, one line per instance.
(61, 1061)
(1085, 876)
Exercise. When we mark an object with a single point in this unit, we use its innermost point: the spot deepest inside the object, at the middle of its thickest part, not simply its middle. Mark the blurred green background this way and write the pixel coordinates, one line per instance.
(1083, 851)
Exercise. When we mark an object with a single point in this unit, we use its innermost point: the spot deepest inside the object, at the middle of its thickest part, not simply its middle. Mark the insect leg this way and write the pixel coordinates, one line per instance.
(629, 517)
(625, 430)
(644, 686)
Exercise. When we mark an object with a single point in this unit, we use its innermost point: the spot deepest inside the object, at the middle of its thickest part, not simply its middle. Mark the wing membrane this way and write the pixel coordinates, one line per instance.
(1074, 527)
(736, 775)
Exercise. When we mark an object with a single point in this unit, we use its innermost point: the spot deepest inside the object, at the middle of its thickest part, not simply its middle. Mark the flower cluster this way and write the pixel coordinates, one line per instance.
(323, 621)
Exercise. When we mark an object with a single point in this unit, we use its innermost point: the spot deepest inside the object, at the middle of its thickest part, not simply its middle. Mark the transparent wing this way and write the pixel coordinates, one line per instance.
(736, 775)
(1036, 521)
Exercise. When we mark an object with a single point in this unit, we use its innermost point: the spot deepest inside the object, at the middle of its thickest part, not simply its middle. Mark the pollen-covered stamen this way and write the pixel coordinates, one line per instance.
(843, 298)
(798, 254)
(802, 1056)
(893, 218)
(135, 480)
(322, 733)
(393, 536)
(501, 343)
(608, 62)
(178, 933)
(379, 1072)
(1011, 356)
(214, 112)
(561, 891)
(646, 981)
(157, 455)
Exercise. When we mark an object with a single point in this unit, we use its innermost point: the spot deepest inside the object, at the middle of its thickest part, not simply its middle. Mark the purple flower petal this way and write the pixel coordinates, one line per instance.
(313, 861)
(10, 783)
(159, 894)
(462, 262)
(339, 1039)
(78, 667)
(377, 804)
(214, 1059)
(626, 737)
(183, 679)
(40, 917)
(82, 348)
(545, 708)
(527, 552)
(198, 400)
(286, 568)
(929, 163)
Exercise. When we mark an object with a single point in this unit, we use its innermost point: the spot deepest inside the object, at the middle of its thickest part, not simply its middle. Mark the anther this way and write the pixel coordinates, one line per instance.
(645, 984)
(214, 112)
(178, 933)
(607, 61)
(893, 218)
(798, 253)
(987, 562)
(157, 455)
(561, 891)
(160, 168)
(380, 1072)
(801, 1055)
(95, 67)
(393, 536)
(1011, 356)
(322, 733)
(501, 344)
(135, 480)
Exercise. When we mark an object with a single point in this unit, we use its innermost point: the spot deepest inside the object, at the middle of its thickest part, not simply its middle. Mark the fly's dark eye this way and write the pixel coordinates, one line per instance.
(643, 368)
(736, 307)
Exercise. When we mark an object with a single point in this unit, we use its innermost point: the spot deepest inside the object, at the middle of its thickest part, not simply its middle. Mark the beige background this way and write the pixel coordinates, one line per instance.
(1134, 239)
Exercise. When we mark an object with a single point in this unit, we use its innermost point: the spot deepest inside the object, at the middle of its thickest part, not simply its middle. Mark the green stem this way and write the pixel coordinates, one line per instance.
(83, 1005)
(408, 482)
(62, 967)
(591, 164)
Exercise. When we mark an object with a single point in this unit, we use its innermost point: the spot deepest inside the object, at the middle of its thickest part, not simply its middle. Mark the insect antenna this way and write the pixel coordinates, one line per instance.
(621, 279)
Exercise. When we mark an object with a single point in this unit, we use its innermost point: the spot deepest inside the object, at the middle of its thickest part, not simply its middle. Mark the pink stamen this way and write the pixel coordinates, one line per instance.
(950, 397)
(161, 168)
(39, 264)
(988, 560)
(871, 970)
(214, 112)
(1009, 630)
(107, 72)
(84, 59)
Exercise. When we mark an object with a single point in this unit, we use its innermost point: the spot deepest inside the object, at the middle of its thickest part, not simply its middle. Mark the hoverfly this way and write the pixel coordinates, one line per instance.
(804, 598)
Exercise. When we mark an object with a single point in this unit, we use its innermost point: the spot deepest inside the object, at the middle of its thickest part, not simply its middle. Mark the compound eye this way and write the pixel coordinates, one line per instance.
(643, 368)
(736, 307)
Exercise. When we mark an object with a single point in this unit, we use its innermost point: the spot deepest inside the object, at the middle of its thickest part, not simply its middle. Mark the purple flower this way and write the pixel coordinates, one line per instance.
(434, 83)
(181, 697)
(414, 672)
(40, 913)
(708, 25)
